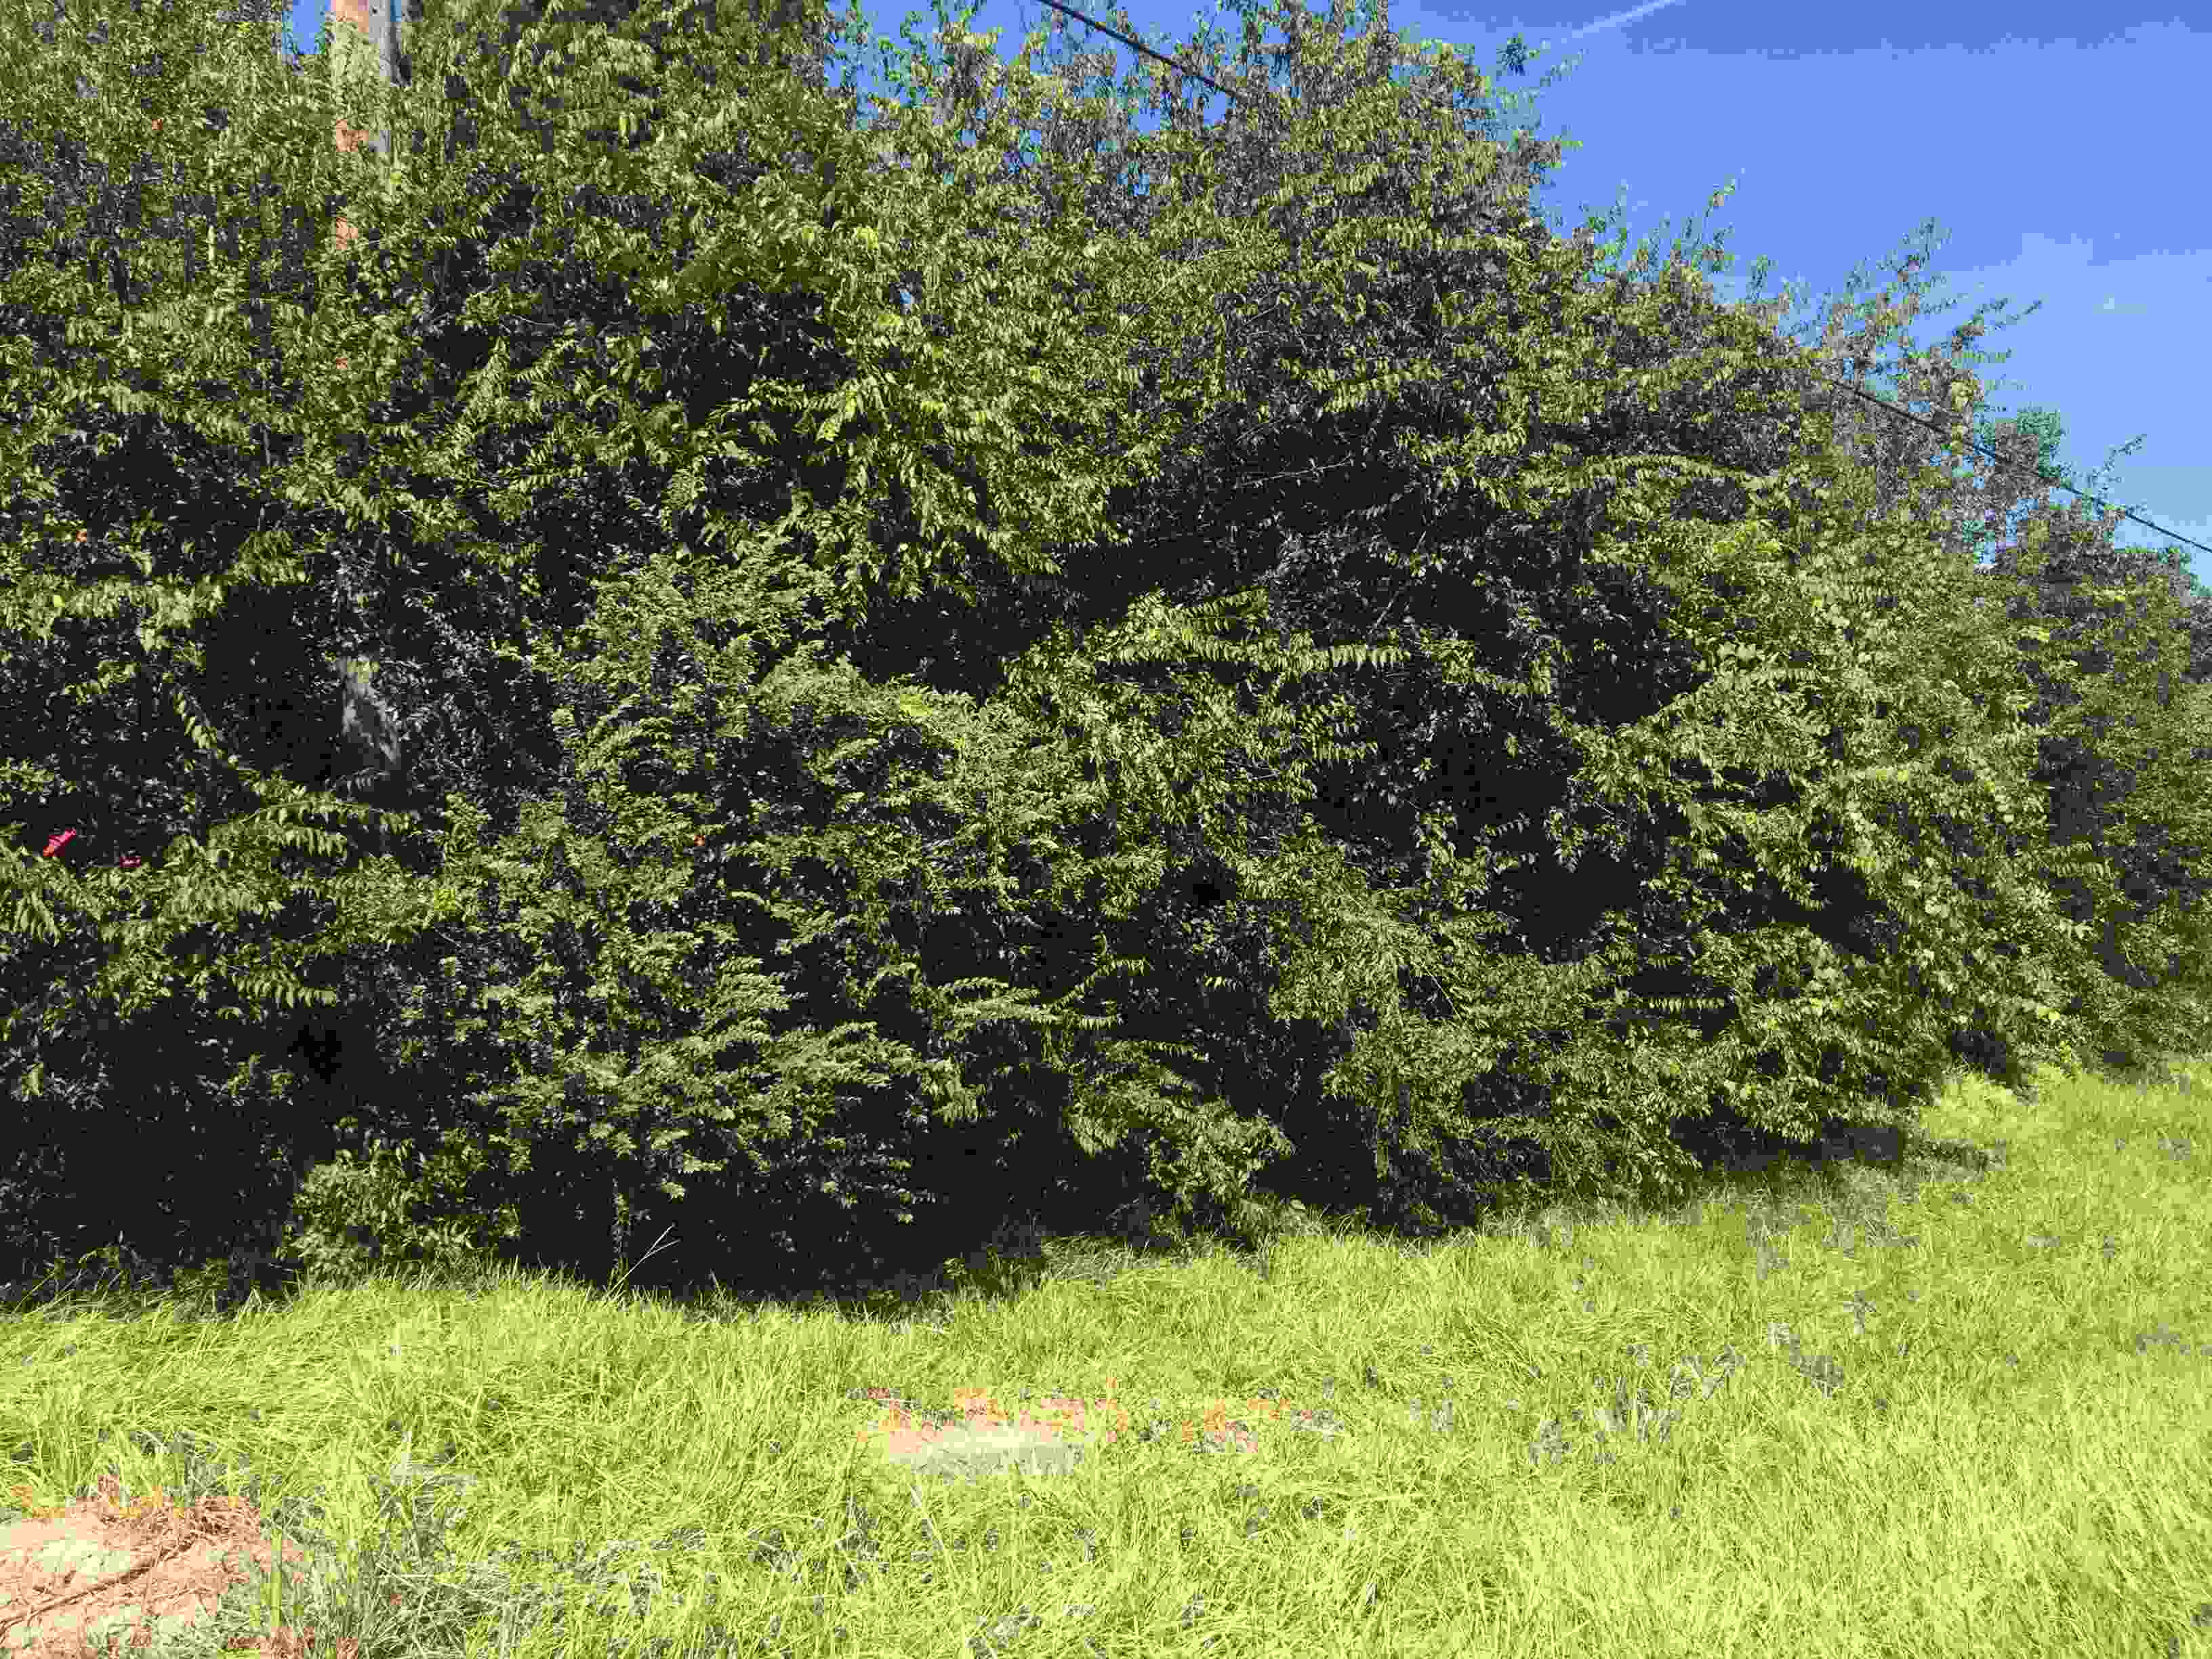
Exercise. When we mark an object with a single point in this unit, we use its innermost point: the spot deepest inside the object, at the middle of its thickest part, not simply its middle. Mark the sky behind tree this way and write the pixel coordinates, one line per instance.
(1845, 128)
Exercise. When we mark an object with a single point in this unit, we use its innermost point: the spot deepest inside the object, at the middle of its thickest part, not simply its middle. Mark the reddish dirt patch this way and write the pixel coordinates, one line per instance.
(100, 1574)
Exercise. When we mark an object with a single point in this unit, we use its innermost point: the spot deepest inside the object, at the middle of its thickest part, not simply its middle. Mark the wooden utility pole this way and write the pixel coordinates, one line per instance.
(364, 39)
(363, 31)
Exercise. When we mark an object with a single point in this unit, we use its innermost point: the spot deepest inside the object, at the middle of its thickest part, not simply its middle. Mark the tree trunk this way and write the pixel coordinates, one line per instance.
(373, 49)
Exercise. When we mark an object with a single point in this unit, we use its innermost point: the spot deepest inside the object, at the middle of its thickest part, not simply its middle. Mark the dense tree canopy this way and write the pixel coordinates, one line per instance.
(1404, 717)
(1899, 451)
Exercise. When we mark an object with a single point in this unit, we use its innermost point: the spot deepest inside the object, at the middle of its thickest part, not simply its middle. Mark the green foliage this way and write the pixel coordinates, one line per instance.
(359, 339)
(353, 1217)
(2121, 769)
(2121, 758)
(1190, 544)
(1400, 717)
(2046, 430)
(2054, 601)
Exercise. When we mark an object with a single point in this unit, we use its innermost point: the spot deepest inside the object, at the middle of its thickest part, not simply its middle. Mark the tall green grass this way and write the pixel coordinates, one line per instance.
(1957, 1405)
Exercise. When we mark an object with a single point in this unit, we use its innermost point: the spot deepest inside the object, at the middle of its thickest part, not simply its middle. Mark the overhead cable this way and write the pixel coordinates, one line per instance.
(1137, 45)
(1878, 403)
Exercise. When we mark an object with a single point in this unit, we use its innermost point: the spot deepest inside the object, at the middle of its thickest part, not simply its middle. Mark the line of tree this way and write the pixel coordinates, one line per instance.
(1291, 687)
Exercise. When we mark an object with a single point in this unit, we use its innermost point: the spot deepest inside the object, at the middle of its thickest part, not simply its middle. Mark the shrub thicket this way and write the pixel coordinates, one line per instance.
(1399, 719)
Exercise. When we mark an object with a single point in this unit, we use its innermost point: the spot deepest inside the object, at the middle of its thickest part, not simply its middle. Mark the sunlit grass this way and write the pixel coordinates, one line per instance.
(1927, 1409)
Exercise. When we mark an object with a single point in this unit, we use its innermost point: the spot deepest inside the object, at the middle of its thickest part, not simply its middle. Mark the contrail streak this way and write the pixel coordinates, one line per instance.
(1623, 17)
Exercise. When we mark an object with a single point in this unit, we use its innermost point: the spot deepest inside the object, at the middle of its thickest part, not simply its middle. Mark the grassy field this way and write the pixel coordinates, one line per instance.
(1959, 1405)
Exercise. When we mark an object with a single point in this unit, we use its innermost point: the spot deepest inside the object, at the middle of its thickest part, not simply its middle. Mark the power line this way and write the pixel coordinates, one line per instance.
(1879, 404)
(1514, 47)
(1138, 45)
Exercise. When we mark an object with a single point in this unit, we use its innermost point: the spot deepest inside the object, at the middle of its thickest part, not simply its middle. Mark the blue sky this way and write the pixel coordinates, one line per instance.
(1983, 117)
